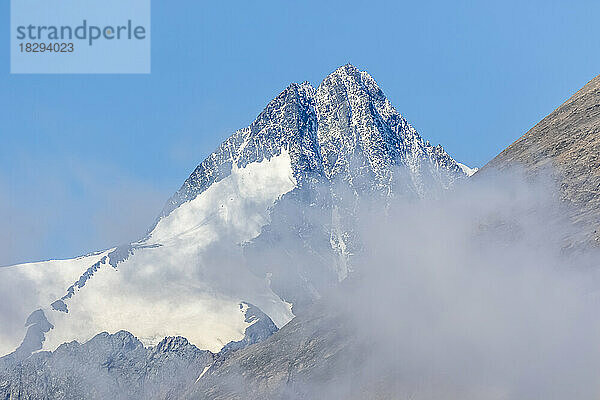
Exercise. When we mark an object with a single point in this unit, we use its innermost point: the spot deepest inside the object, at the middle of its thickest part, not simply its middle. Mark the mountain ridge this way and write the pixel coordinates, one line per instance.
(234, 207)
(308, 110)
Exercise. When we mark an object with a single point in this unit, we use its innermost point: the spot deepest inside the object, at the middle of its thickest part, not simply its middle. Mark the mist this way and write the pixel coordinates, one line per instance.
(481, 293)
(486, 291)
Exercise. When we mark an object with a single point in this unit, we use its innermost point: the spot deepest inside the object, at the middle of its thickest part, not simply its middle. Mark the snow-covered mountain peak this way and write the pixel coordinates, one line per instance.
(363, 138)
(216, 243)
(346, 128)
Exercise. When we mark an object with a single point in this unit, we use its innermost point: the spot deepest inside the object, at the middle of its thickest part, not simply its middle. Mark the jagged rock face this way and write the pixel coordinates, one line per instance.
(301, 361)
(118, 366)
(37, 326)
(107, 367)
(344, 129)
(362, 136)
(567, 141)
(288, 122)
(260, 328)
(271, 370)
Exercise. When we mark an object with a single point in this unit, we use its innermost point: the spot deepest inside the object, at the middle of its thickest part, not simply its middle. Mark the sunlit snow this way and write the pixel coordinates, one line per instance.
(187, 280)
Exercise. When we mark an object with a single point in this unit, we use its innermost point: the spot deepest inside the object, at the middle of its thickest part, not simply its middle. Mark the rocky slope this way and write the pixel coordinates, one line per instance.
(299, 362)
(114, 366)
(117, 366)
(566, 143)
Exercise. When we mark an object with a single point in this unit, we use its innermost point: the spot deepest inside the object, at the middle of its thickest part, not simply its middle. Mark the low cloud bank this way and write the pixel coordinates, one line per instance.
(478, 294)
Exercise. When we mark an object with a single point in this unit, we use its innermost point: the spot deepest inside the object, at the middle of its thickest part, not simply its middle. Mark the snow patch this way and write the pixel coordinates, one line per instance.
(467, 170)
(203, 372)
(28, 287)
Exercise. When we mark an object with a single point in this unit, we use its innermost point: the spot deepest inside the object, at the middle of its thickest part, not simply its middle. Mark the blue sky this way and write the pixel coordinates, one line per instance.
(87, 161)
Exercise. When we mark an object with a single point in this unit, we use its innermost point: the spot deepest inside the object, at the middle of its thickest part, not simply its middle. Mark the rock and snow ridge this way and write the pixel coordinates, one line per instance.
(345, 129)
(116, 366)
(176, 282)
(468, 170)
(192, 271)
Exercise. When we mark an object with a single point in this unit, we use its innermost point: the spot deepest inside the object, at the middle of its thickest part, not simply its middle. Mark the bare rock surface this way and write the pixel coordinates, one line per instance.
(566, 142)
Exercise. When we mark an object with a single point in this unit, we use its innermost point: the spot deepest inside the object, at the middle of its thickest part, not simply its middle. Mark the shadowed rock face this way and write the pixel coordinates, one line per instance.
(107, 367)
(309, 350)
(116, 366)
(346, 129)
(318, 355)
(567, 141)
(37, 326)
